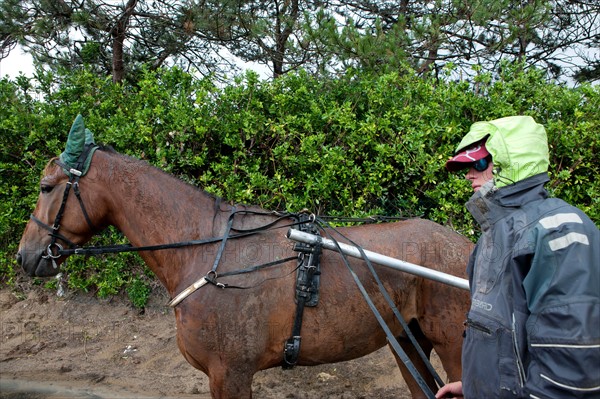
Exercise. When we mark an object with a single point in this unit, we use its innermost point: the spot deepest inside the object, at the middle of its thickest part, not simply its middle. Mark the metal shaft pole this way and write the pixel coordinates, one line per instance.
(350, 250)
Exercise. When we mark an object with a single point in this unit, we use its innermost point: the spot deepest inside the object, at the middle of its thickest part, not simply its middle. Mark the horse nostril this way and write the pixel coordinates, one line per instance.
(19, 258)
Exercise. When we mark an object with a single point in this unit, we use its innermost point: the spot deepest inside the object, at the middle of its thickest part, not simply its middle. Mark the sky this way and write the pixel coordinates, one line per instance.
(15, 62)
(18, 61)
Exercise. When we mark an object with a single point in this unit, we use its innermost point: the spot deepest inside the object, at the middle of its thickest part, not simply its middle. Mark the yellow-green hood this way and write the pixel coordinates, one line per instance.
(518, 145)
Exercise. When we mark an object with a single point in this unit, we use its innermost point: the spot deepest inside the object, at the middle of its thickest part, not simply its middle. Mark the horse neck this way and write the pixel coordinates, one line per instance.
(151, 207)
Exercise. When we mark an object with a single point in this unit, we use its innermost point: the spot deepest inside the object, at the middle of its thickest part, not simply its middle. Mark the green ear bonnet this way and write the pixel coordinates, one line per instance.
(80, 148)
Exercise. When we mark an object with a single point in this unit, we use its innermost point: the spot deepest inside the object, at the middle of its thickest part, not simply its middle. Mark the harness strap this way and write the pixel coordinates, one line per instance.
(407, 362)
(203, 280)
(280, 217)
(212, 279)
(223, 241)
(250, 270)
(405, 326)
(291, 348)
(395, 310)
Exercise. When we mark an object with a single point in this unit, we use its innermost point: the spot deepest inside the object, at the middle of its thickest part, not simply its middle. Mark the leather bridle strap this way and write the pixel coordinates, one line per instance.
(54, 234)
(75, 175)
(82, 206)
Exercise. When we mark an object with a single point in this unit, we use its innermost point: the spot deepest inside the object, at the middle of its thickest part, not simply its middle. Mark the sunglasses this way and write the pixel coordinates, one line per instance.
(481, 164)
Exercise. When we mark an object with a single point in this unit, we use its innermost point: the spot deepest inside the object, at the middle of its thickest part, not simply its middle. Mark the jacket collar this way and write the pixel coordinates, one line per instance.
(490, 203)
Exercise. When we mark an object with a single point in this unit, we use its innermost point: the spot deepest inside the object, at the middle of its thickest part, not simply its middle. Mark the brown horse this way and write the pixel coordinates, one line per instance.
(230, 334)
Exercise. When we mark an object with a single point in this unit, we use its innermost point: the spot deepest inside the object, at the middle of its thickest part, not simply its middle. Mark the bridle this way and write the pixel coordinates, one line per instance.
(55, 250)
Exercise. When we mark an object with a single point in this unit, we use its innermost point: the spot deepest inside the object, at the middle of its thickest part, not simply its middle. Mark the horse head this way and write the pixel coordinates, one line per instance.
(62, 217)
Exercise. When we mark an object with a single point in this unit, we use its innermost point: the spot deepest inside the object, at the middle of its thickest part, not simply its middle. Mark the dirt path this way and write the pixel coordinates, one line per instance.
(82, 347)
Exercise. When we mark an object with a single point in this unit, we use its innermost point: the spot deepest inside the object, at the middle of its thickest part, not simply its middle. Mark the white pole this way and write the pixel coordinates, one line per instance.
(350, 250)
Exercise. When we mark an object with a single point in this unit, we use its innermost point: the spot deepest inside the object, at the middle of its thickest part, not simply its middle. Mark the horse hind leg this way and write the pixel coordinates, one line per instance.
(413, 355)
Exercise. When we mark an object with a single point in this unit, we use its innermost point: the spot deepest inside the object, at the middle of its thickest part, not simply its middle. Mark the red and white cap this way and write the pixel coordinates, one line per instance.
(465, 158)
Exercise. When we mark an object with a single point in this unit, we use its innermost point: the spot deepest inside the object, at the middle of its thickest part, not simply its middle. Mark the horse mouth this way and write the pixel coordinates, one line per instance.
(36, 264)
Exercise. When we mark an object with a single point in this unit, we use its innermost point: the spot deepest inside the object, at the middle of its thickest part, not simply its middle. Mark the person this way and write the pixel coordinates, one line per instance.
(533, 328)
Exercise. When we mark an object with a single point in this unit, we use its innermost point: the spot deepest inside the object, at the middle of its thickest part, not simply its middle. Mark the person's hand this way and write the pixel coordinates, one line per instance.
(450, 390)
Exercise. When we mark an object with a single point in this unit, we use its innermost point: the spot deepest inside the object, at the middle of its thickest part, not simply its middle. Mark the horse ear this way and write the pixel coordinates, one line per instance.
(75, 142)
(89, 137)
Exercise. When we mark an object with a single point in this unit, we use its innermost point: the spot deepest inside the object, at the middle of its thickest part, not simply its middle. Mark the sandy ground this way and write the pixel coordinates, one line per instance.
(78, 346)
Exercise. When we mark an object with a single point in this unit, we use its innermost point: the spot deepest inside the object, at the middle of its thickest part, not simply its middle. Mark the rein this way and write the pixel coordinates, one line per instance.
(391, 339)
(120, 248)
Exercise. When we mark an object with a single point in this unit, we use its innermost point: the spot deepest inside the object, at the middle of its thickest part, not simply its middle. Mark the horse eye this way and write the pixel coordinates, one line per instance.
(45, 189)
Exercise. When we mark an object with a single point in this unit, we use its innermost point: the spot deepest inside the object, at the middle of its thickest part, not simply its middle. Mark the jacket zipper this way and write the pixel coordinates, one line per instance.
(477, 326)
(520, 369)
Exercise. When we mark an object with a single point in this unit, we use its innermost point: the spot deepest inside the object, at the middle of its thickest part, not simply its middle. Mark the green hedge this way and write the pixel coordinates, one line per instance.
(355, 146)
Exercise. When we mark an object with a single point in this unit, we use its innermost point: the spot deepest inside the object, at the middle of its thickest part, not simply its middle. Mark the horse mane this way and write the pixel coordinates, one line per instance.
(218, 201)
(107, 148)
(145, 165)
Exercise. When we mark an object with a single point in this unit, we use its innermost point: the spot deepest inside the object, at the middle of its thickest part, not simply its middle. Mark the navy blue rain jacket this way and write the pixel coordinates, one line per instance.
(533, 330)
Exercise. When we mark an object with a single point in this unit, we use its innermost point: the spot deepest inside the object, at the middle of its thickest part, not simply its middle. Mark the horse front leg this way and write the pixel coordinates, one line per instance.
(233, 382)
(227, 379)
